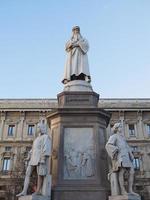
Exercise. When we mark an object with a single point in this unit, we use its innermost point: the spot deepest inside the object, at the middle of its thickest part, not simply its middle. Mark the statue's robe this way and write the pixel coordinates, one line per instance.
(119, 151)
(77, 60)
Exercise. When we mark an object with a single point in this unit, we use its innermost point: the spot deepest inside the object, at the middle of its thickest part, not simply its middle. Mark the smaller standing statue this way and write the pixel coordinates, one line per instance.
(39, 159)
(76, 67)
(122, 162)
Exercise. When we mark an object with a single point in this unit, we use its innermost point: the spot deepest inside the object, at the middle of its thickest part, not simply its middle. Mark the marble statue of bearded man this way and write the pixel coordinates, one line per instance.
(77, 66)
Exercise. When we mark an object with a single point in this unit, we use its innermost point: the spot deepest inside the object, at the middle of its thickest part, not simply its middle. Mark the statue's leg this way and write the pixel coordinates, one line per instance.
(39, 184)
(114, 183)
(130, 181)
(26, 181)
(41, 172)
(121, 181)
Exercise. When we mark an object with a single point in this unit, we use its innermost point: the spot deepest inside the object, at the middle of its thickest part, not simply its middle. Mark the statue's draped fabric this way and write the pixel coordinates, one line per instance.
(41, 148)
(77, 60)
(124, 157)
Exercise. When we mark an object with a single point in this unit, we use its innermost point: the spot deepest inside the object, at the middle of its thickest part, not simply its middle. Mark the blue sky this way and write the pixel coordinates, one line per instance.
(33, 34)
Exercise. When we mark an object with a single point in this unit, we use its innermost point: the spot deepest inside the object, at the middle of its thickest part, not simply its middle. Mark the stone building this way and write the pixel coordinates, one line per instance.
(18, 123)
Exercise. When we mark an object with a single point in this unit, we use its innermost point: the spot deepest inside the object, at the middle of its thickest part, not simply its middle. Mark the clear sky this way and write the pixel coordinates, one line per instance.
(33, 34)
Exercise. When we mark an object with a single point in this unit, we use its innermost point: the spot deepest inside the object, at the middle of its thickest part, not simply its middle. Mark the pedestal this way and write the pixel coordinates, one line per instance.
(79, 163)
(78, 85)
(34, 197)
(125, 197)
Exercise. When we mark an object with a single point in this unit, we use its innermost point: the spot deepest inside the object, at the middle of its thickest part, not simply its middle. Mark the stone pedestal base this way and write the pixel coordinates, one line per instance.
(78, 127)
(78, 85)
(78, 99)
(34, 197)
(125, 197)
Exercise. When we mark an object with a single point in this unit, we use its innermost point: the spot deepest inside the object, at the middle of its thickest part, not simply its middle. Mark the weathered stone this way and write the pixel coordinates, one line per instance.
(78, 85)
(125, 197)
(79, 168)
(34, 197)
(77, 99)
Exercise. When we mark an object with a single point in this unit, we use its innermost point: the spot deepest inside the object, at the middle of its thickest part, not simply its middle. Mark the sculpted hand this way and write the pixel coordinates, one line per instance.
(76, 44)
(115, 154)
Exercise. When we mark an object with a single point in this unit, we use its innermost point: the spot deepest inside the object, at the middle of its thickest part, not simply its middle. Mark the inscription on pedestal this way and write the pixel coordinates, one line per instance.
(73, 99)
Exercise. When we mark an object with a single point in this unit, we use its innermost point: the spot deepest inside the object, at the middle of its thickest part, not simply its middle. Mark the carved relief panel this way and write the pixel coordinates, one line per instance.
(79, 153)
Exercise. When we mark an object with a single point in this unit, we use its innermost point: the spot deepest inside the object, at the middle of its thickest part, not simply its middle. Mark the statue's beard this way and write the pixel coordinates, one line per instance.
(76, 37)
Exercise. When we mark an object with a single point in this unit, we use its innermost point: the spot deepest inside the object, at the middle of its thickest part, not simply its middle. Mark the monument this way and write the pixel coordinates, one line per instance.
(122, 164)
(76, 73)
(38, 159)
(79, 161)
(76, 67)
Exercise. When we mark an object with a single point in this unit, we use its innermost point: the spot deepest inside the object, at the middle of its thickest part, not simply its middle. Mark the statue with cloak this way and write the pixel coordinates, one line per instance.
(122, 162)
(77, 66)
(39, 160)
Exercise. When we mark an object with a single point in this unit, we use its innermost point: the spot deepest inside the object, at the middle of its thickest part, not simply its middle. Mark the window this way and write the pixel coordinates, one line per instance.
(2, 187)
(136, 163)
(30, 129)
(10, 130)
(148, 129)
(8, 148)
(131, 130)
(6, 164)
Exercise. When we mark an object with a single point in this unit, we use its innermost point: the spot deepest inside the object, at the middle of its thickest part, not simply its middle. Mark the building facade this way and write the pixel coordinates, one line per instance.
(18, 123)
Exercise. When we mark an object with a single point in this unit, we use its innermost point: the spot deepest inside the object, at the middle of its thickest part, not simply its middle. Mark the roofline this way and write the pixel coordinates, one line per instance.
(16, 99)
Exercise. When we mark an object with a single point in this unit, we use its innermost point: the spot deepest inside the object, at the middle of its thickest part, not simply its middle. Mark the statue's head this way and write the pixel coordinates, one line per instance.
(117, 128)
(76, 33)
(76, 29)
(42, 128)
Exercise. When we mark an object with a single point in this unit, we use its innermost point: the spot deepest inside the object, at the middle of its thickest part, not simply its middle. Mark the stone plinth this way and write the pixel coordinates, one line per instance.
(79, 167)
(125, 197)
(34, 197)
(78, 99)
(78, 85)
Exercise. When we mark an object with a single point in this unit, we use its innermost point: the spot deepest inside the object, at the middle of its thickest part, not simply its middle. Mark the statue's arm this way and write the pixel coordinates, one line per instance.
(46, 149)
(111, 147)
(69, 46)
(84, 45)
(131, 154)
(29, 155)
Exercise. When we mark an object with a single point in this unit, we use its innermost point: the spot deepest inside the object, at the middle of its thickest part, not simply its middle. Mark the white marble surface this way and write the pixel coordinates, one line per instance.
(38, 159)
(79, 153)
(77, 59)
(122, 161)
